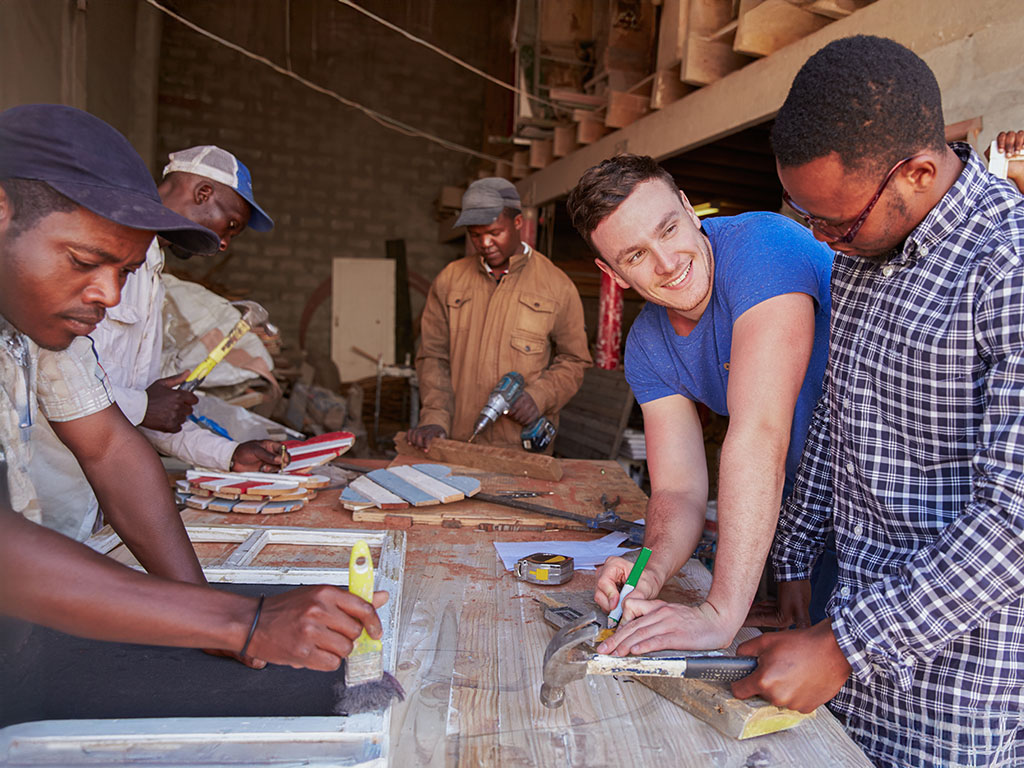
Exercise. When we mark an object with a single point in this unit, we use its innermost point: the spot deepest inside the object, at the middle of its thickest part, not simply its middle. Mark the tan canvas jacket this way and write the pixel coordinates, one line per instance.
(475, 330)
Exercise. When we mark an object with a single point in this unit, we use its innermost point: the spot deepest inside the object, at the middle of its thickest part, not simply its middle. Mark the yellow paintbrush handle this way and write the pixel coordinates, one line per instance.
(218, 353)
(360, 583)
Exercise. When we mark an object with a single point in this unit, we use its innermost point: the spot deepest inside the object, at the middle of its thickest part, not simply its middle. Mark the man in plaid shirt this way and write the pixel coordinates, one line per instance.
(916, 452)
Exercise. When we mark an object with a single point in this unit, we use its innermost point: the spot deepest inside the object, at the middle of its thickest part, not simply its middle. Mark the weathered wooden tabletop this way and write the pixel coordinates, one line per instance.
(470, 656)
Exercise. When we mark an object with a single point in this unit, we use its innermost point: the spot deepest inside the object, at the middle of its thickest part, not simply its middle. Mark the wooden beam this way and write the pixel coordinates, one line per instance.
(937, 30)
(590, 130)
(768, 25)
(521, 164)
(834, 9)
(505, 460)
(625, 108)
(672, 33)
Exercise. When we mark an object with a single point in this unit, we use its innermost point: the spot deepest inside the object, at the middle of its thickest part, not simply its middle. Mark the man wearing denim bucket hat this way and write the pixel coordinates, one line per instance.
(211, 187)
(508, 308)
(77, 212)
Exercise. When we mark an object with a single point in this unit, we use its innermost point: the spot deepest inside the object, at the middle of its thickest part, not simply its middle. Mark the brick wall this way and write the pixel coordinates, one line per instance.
(335, 182)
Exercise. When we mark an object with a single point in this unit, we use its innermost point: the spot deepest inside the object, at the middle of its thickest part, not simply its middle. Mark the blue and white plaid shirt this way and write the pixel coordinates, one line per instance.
(916, 457)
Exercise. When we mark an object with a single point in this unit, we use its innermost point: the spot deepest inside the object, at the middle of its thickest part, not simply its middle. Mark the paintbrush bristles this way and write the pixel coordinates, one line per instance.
(364, 664)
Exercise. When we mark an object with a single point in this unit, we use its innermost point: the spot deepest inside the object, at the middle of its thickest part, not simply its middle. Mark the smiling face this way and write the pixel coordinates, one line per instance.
(652, 243)
(62, 275)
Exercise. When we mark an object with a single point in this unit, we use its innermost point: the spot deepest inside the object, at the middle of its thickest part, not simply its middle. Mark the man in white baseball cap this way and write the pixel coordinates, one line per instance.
(210, 187)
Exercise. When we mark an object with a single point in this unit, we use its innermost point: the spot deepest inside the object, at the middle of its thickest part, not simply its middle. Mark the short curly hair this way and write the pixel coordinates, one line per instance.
(603, 188)
(868, 99)
(32, 201)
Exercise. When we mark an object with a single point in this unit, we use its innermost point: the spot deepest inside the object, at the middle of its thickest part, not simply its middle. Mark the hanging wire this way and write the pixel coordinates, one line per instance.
(378, 117)
(451, 57)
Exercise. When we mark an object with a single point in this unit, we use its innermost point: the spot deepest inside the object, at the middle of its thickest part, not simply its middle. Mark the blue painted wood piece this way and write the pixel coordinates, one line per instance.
(468, 485)
(349, 495)
(400, 487)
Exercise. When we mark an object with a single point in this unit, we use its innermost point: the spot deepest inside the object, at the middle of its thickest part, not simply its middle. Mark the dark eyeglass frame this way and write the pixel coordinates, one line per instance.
(827, 229)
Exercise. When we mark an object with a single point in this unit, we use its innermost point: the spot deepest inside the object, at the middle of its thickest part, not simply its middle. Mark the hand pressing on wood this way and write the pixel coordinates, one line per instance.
(799, 669)
(1011, 144)
(258, 456)
(422, 437)
(654, 625)
(524, 410)
(168, 407)
(791, 609)
(313, 627)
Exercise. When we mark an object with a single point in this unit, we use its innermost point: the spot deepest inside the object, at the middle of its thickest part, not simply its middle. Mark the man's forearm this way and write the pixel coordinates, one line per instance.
(49, 579)
(673, 526)
(750, 492)
(139, 505)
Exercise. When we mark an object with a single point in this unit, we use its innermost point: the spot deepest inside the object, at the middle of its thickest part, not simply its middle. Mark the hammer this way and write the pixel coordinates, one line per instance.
(565, 661)
(253, 316)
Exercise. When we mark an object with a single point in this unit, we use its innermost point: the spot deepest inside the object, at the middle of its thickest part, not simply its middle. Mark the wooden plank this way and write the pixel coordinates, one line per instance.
(520, 164)
(768, 25)
(468, 486)
(400, 487)
(668, 87)
(625, 108)
(428, 484)
(541, 153)
(834, 9)
(576, 98)
(247, 551)
(706, 60)
(381, 497)
(362, 315)
(565, 139)
(487, 457)
(589, 130)
(672, 33)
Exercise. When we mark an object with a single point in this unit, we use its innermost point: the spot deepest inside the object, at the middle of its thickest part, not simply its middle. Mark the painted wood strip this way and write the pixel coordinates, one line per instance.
(468, 485)
(425, 482)
(247, 507)
(198, 502)
(400, 487)
(327, 437)
(257, 494)
(222, 505)
(381, 497)
(248, 549)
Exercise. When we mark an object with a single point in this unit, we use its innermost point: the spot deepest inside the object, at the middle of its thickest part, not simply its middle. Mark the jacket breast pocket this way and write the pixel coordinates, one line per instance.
(459, 313)
(536, 315)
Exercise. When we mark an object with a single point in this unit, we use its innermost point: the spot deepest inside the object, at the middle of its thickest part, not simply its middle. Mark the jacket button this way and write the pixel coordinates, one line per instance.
(536, 304)
(527, 347)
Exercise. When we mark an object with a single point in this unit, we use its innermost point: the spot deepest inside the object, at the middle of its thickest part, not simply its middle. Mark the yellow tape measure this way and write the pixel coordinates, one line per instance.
(544, 568)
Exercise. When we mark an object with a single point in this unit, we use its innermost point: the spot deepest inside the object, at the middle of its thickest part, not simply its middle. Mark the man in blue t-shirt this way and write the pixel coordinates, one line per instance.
(737, 318)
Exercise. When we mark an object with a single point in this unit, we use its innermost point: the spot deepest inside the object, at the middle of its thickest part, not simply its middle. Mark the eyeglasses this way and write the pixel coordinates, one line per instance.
(831, 231)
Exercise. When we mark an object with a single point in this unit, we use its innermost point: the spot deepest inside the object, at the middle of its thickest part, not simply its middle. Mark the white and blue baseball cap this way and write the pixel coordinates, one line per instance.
(220, 165)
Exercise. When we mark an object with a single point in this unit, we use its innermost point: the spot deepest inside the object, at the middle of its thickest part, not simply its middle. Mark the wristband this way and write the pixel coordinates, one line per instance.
(255, 621)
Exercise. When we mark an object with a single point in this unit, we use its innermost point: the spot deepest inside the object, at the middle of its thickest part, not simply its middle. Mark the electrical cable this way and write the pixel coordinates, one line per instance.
(378, 117)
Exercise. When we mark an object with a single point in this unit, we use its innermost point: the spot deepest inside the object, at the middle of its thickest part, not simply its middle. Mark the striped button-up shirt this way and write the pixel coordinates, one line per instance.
(916, 458)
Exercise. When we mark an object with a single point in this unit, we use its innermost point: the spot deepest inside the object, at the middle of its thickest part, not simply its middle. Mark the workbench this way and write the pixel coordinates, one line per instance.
(470, 656)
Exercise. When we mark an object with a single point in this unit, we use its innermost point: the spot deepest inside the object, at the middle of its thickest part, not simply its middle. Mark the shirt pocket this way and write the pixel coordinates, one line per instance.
(926, 393)
(536, 315)
(460, 309)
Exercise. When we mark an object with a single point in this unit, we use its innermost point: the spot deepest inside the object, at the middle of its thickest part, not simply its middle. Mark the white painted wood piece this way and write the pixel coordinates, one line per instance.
(227, 742)
(362, 315)
(381, 497)
(432, 486)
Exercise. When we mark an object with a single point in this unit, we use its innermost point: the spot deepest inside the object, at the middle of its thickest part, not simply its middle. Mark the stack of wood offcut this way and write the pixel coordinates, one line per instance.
(606, 63)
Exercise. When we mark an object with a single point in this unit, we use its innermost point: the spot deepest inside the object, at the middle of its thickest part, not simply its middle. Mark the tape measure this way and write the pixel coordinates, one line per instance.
(544, 568)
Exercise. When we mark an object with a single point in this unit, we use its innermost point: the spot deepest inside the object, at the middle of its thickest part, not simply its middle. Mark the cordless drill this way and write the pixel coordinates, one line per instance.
(536, 436)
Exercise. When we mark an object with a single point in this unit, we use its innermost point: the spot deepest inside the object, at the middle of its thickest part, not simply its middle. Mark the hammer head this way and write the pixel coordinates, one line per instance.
(255, 315)
(563, 661)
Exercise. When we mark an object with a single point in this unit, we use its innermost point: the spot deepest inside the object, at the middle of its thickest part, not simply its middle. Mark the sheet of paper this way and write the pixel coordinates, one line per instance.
(586, 555)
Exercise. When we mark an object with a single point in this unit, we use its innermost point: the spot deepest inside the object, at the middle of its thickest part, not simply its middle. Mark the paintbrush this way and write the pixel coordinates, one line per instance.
(365, 685)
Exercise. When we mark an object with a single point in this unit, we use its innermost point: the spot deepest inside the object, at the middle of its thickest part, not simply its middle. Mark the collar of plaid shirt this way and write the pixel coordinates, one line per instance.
(917, 455)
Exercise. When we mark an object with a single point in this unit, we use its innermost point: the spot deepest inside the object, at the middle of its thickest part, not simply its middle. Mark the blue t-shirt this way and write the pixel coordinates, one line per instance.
(756, 256)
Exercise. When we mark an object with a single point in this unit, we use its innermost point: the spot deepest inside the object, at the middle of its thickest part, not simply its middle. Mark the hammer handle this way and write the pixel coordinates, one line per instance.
(724, 668)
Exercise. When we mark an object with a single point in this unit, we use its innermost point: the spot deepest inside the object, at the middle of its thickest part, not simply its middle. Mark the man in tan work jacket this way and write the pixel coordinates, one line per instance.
(506, 308)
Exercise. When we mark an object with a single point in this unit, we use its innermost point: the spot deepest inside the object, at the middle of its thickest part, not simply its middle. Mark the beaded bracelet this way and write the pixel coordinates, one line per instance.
(255, 621)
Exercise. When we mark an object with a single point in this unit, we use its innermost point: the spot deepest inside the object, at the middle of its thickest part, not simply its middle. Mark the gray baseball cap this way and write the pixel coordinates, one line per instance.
(485, 199)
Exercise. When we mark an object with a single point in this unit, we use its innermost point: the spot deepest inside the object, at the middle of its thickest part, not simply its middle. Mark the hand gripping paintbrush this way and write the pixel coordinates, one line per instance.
(365, 685)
